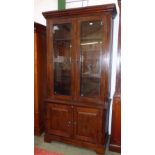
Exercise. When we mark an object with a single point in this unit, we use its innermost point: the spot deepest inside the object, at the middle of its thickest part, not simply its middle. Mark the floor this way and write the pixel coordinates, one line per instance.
(64, 148)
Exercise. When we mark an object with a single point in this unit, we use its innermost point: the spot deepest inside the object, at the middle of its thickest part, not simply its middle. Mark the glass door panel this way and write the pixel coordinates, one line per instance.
(62, 58)
(91, 38)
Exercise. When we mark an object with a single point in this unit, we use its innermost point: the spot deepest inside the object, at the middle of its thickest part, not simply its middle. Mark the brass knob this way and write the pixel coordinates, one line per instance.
(69, 123)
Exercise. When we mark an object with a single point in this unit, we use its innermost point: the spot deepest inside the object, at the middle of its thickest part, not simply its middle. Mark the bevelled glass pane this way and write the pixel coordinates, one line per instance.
(62, 58)
(91, 48)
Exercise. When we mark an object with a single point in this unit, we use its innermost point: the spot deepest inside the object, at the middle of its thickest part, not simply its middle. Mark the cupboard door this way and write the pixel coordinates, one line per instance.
(88, 124)
(62, 58)
(61, 52)
(90, 54)
(59, 120)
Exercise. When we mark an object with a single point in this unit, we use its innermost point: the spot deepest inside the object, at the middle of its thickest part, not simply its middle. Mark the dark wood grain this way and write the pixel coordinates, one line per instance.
(99, 149)
(115, 139)
(51, 62)
(86, 11)
(87, 125)
(39, 76)
(93, 99)
(59, 120)
(76, 125)
(76, 119)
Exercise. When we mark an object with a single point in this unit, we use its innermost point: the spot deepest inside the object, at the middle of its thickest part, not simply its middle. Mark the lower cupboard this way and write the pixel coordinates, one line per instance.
(75, 124)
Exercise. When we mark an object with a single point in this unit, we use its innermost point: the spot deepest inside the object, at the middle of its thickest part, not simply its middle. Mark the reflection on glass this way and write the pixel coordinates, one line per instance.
(91, 48)
(62, 58)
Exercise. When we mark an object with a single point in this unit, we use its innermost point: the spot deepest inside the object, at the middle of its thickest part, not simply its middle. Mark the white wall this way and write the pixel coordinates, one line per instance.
(113, 65)
(48, 5)
(99, 2)
(42, 6)
(79, 3)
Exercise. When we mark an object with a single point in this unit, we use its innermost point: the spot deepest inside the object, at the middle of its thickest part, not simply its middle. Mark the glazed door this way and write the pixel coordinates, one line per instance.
(60, 66)
(88, 124)
(59, 120)
(90, 54)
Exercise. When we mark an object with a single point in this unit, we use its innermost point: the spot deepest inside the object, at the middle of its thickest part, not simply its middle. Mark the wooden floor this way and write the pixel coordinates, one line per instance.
(64, 148)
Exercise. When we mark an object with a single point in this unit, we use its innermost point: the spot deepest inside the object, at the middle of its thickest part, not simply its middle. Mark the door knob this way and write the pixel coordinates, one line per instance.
(69, 123)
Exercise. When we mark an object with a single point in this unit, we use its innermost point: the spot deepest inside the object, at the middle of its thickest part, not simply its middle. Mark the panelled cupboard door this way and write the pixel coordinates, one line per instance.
(60, 59)
(59, 120)
(88, 124)
(91, 43)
